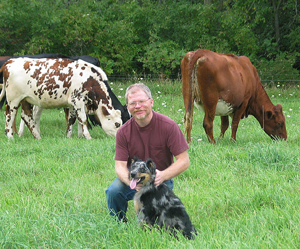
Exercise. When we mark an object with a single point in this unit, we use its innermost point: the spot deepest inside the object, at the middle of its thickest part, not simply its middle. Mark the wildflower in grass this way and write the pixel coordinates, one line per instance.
(288, 116)
(119, 97)
(180, 110)
(290, 109)
(200, 139)
(121, 89)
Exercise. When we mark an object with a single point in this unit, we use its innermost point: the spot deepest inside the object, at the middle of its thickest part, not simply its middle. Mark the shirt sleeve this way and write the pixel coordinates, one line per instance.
(176, 141)
(122, 152)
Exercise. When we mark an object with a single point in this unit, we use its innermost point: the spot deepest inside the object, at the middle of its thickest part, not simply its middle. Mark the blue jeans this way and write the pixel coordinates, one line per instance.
(118, 194)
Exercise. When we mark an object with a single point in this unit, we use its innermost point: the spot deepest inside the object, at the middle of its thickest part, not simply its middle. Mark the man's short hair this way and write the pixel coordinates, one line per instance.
(137, 87)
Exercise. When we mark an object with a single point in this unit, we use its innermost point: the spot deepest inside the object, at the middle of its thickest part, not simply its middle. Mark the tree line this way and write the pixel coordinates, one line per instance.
(143, 37)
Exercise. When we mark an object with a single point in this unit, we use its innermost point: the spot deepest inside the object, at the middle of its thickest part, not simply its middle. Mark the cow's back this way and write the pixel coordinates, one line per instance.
(47, 83)
(221, 76)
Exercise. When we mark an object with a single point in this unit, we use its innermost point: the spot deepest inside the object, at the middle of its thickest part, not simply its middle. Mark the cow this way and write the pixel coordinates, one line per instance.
(56, 83)
(226, 84)
(125, 116)
(93, 60)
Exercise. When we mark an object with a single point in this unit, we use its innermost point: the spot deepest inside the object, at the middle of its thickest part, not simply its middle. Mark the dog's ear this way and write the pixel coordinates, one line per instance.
(151, 165)
(134, 159)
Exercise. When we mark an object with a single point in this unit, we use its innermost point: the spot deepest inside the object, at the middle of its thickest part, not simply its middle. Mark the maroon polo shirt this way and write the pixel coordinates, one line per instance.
(160, 140)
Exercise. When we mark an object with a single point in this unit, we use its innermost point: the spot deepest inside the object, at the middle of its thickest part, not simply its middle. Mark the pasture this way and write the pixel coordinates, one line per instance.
(238, 195)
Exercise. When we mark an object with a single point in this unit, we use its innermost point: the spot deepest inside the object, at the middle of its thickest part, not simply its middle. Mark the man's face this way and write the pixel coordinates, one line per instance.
(139, 105)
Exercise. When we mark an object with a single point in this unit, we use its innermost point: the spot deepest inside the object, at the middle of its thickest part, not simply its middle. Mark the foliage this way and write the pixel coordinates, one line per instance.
(279, 71)
(139, 37)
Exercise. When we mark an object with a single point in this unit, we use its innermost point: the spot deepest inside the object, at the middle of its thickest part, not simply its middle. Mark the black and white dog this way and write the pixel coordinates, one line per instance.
(158, 206)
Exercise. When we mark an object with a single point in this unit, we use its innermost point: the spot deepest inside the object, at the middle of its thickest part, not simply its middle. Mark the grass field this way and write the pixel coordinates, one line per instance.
(238, 195)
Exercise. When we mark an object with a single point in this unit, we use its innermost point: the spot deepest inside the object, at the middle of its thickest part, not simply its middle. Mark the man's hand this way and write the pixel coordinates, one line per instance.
(159, 178)
(180, 165)
(138, 187)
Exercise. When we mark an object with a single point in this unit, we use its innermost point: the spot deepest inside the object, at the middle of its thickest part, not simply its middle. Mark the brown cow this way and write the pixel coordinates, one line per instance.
(225, 85)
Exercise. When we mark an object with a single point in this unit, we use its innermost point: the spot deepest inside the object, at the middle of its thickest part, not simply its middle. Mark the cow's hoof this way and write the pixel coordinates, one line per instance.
(88, 137)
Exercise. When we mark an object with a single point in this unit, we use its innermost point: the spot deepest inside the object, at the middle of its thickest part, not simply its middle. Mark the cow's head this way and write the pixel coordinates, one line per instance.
(110, 119)
(274, 123)
(99, 103)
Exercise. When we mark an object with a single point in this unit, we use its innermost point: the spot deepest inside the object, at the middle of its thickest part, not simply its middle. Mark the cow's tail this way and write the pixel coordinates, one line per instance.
(188, 71)
(3, 85)
(186, 92)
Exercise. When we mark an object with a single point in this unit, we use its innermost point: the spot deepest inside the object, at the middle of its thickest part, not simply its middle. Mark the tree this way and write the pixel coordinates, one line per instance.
(276, 7)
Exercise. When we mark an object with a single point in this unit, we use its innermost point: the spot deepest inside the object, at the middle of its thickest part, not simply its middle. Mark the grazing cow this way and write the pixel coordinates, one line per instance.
(93, 60)
(55, 83)
(37, 111)
(225, 85)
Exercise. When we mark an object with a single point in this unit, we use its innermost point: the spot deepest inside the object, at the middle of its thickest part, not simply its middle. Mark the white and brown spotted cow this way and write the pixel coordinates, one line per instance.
(71, 117)
(55, 83)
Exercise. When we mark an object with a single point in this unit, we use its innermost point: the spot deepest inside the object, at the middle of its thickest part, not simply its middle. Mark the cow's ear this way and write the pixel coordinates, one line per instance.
(278, 108)
(269, 114)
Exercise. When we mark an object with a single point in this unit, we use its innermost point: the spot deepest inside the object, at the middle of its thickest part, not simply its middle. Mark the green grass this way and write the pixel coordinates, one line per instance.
(238, 195)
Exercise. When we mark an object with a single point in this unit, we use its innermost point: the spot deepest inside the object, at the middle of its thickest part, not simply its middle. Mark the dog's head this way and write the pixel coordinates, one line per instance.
(141, 172)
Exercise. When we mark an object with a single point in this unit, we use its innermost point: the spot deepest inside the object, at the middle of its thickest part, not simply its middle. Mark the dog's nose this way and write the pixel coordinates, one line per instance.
(133, 174)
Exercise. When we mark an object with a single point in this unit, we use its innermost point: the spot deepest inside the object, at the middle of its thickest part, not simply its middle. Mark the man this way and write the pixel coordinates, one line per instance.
(147, 135)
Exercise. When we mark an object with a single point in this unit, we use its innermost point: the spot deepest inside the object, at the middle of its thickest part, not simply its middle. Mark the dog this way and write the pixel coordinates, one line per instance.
(158, 205)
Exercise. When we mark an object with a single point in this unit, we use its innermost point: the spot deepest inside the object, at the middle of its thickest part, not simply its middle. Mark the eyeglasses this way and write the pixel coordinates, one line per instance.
(141, 103)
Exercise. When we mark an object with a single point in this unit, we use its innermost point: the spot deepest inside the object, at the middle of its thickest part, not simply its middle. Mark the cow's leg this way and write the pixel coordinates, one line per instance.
(37, 113)
(72, 121)
(21, 128)
(10, 115)
(208, 125)
(82, 120)
(224, 125)
(80, 131)
(234, 126)
(14, 124)
(71, 118)
(26, 115)
(235, 121)
(210, 105)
